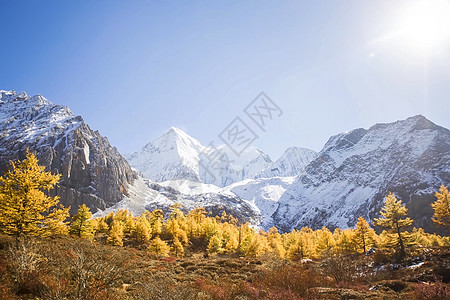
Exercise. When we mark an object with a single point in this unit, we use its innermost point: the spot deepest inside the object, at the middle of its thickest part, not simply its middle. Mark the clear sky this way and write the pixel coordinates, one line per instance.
(132, 69)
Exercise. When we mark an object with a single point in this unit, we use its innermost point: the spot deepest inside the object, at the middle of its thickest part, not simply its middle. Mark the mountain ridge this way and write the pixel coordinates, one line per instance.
(93, 172)
(349, 177)
(192, 163)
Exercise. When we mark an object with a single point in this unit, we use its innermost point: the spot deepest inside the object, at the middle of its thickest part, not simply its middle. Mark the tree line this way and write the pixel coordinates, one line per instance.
(26, 209)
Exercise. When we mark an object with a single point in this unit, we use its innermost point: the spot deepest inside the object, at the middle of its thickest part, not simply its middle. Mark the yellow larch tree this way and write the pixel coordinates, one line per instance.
(158, 247)
(364, 235)
(393, 217)
(441, 206)
(115, 234)
(25, 208)
(142, 230)
(177, 248)
(82, 225)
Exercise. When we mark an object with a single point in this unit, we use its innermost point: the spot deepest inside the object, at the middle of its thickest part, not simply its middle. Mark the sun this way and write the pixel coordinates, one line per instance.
(425, 25)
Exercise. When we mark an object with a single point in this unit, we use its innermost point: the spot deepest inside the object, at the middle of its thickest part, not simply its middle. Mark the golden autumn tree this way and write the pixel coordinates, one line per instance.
(158, 247)
(363, 235)
(215, 244)
(82, 225)
(393, 217)
(177, 248)
(115, 234)
(441, 206)
(142, 230)
(25, 208)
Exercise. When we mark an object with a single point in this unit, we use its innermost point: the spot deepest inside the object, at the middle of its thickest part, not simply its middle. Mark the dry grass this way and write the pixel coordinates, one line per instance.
(69, 268)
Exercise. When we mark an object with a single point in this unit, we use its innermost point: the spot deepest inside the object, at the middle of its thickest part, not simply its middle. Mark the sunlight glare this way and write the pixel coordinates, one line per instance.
(426, 25)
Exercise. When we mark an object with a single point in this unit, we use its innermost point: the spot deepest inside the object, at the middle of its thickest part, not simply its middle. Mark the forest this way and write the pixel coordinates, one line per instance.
(47, 254)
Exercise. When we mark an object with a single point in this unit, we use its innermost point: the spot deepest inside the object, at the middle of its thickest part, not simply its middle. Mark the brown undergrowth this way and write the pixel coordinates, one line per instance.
(71, 268)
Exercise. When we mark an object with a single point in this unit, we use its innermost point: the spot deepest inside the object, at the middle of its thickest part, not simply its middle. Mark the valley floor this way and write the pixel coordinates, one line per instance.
(72, 268)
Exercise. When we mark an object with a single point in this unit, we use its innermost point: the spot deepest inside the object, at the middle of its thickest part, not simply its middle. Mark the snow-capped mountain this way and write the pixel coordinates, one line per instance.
(176, 155)
(93, 172)
(355, 170)
(348, 178)
(291, 163)
(172, 156)
(262, 193)
(147, 195)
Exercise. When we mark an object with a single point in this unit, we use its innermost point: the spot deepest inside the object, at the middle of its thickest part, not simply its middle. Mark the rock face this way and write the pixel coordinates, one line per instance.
(355, 171)
(348, 178)
(93, 172)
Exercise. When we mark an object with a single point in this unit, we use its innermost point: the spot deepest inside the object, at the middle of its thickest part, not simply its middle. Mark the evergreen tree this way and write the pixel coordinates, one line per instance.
(393, 217)
(81, 225)
(24, 207)
(441, 206)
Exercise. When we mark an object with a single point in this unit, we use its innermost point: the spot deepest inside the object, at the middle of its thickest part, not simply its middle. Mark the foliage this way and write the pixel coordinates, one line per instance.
(441, 206)
(364, 235)
(393, 217)
(158, 247)
(81, 225)
(115, 235)
(24, 207)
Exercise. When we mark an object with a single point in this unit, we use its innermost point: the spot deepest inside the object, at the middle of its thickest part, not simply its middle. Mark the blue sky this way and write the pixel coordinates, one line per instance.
(133, 69)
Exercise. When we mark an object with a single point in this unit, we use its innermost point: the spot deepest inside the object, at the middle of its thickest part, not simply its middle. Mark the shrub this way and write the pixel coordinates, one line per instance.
(292, 278)
(431, 291)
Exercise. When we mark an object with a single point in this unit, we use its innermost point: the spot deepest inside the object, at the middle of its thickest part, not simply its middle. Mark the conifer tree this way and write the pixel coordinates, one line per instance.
(441, 206)
(81, 225)
(24, 207)
(142, 230)
(275, 242)
(115, 235)
(109, 218)
(256, 246)
(363, 234)
(100, 225)
(215, 244)
(346, 242)
(156, 221)
(325, 241)
(158, 247)
(177, 248)
(393, 217)
(126, 220)
(231, 244)
(195, 221)
(299, 246)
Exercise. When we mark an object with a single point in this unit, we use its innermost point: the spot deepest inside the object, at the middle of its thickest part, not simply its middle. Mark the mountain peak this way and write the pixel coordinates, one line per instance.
(176, 130)
(64, 144)
(177, 134)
